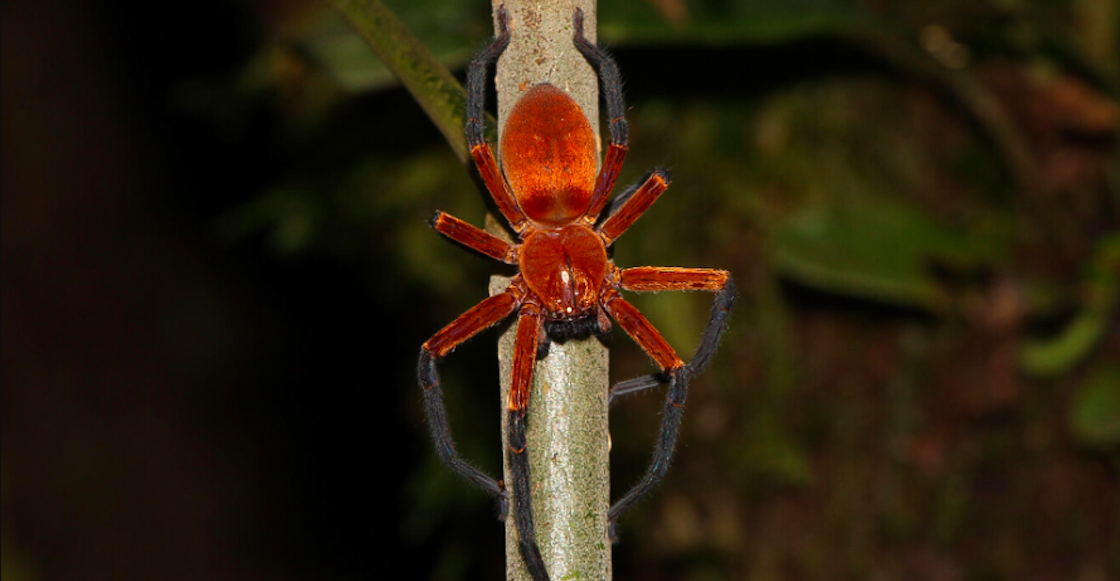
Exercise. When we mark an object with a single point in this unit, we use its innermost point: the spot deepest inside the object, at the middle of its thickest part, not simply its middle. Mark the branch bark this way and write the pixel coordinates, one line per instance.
(568, 437)
(433, 86)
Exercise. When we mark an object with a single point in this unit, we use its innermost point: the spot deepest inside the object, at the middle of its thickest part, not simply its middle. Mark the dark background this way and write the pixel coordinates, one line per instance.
(217, 272)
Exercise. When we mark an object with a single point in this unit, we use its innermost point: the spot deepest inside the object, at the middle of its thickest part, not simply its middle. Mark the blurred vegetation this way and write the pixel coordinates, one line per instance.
(920, 202)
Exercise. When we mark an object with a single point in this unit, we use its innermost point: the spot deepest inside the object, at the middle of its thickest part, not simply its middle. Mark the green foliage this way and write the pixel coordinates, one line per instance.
(1076, 341)
(1094, 416)
(842, 440)
(879, 250)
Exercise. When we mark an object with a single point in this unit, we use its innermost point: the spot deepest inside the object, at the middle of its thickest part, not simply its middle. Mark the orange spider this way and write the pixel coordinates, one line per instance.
(567, 286)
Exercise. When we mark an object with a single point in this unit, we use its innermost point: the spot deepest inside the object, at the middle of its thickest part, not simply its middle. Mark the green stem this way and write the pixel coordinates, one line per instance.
(568, 436)
(431, 84)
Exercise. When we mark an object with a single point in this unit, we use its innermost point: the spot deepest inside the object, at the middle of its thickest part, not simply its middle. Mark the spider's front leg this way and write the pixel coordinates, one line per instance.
(529, 326)
(485, 314)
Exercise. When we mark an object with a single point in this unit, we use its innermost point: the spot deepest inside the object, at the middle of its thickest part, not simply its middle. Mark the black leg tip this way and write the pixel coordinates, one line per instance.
(503, 21)
(503, 506)
(425, 370)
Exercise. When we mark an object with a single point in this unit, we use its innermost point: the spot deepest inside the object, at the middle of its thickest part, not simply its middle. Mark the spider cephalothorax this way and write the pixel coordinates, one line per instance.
(552, 194)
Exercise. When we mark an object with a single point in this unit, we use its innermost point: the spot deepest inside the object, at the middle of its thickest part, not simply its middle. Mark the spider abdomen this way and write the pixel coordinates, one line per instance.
(549, 156)
(565, 269)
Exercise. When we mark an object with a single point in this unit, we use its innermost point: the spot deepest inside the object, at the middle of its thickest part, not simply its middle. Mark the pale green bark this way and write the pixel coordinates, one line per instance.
(568, 438)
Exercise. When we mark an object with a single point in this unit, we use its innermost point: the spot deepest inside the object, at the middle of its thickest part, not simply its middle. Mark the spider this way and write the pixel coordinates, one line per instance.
(567, 286)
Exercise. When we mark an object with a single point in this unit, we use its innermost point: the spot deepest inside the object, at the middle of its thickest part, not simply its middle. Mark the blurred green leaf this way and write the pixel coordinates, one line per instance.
(14, 567)
(337, 47)
(290, 217)
(879, 250)
(1094, 416)
(1072, 345)
(773, 452)
(450, 31)
(431, 84)
(748, 23)
(1057, 355)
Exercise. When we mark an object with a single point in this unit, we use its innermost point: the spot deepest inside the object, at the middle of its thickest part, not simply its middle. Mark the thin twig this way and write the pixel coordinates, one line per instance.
(433, 86)
(568, 439)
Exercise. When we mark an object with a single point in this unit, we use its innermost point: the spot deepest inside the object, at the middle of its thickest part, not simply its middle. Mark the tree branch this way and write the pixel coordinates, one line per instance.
(568, 437)
(433, 86)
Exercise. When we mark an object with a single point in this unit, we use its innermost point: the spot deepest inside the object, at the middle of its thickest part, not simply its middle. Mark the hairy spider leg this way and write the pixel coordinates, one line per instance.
(662, 278)
(653, 278)
(641, 331)
(474, 237)
(530, 330)
(634, 205)
(625, 210)
(610, 84)
(631, 205)
(481, 152)
(668, 278)
(529, 324)
(482, 316)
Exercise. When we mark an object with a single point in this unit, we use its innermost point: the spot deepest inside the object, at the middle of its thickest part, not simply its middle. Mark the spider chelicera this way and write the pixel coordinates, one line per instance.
(567, 287)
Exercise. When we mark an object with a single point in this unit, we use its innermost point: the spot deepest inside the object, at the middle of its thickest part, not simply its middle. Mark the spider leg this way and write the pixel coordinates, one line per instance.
(641, 331)
(620, 200)
(650, 340)
(611, 82)
(485, 314)
(521, 382)
(668, 278)
(473, 237)
(678, 374)
(476, 110)
(634, 385)
(632, 208)
(659, 278)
